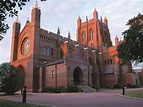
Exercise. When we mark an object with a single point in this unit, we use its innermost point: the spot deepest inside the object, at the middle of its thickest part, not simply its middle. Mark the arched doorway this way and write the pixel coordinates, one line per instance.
(77, 76)
(22, 74)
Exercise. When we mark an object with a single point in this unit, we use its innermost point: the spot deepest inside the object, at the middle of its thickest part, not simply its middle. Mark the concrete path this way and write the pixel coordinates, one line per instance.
(97, 99)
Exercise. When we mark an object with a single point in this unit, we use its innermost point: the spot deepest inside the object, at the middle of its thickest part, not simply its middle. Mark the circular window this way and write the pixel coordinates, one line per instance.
(25, 47)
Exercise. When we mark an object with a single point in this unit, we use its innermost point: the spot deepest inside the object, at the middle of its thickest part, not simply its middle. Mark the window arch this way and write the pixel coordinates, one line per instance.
(111, 61)
(61, 54)
(49, 51)
(91, 34)
(52, 51)
(52, 73)
(108, 61)
(45, 51)
(105, 62)
(84, 37)
(21, 69)
(92, 44)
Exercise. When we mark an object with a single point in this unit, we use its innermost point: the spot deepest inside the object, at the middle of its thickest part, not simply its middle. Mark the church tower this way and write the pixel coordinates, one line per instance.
(94, 32)
(35, 42)
(35, 15)
(25, 48)
(14, 46)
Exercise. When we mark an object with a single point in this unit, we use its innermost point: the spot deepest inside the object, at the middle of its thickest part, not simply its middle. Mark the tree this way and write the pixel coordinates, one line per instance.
(131, 49)
(10, 78)
(9, 8)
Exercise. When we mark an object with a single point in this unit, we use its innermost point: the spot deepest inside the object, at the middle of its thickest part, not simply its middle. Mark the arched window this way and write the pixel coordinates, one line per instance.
(84, 37)
(105, 62)
(92, 44)
(49, 51)
(52, 52)
(91, 34)
(111, 61)
(108, 61)
(61, 54)
(21, 69)
(53, 74)
(45, 51)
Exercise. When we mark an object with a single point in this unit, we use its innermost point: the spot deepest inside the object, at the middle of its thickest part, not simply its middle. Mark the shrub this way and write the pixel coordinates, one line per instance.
(117, 86)
(61, 89)
(49, 89)
(133, 86)
(10, 79)
(73, 88)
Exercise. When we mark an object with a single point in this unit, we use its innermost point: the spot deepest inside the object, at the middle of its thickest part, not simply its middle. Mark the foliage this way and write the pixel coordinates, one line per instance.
(10, 78)
(133, 86)
(62, 89)
(132, 46)
(116, 86)
(49, 89)
(9, 8)
(73, 88)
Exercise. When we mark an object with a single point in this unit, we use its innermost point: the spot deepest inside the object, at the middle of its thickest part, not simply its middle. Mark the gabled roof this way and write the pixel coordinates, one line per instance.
(75, 57)
(52, 63)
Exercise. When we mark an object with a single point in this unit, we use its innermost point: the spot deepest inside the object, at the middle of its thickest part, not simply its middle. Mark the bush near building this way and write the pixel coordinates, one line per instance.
(62, 89)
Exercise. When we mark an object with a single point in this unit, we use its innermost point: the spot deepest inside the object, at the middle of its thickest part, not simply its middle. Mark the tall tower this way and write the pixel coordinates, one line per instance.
(35, 15)
(25, 49)
(35, 42)
(14, 43)
(78, 29)
(116, 41)
(94, 32)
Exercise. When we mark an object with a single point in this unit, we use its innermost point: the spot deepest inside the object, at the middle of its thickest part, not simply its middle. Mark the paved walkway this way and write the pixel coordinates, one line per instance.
(97, 99)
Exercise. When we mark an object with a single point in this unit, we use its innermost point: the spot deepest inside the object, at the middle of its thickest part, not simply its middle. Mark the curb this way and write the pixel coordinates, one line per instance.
(120, 94)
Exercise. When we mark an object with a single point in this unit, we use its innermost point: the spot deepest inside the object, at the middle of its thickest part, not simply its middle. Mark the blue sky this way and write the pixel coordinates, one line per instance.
(64, 14)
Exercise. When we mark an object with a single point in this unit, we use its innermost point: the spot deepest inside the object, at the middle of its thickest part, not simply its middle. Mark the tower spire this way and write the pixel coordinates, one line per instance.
(69, 35)
(58, 31)
(116, 41)
(36, 4)
(16, 19)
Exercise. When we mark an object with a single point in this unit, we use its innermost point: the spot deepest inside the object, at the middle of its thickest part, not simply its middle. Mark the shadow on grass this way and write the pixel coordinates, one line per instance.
(7, 103)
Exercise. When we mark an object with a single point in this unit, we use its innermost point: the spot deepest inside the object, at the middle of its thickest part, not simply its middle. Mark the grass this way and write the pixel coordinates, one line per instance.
(109, 89)
(135, 93)
(6, 103)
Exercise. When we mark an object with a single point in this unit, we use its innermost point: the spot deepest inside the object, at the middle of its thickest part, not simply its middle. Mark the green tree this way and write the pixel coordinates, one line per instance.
(131, 49)
(9, 8)
(10, 79)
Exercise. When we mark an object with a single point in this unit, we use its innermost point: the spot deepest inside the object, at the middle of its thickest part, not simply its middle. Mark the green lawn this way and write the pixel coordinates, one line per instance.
(135, 93)
(6, 103)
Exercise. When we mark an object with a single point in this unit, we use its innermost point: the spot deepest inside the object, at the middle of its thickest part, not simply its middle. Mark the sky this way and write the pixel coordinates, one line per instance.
(64, 14)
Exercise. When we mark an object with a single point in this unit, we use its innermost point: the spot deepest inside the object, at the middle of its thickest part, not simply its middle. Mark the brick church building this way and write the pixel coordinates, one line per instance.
(50, 59)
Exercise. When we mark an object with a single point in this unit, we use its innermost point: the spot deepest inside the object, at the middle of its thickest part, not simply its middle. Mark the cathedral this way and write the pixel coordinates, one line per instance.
(49, 59)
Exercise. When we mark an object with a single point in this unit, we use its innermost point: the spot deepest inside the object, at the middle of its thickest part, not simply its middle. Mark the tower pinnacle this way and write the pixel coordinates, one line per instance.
(58, 31)
(69, 35)
(36, 4)
(16, 19)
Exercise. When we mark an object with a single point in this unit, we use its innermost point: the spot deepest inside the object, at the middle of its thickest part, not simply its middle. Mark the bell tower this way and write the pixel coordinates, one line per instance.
(35, 15)
(14, 46)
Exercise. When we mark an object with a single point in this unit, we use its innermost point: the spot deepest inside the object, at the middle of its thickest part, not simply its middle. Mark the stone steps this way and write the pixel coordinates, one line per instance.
(87, 89)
